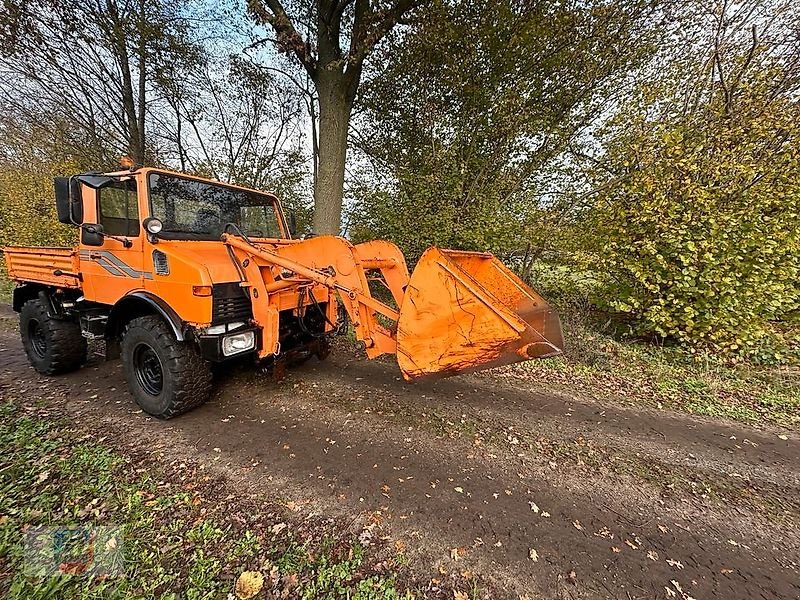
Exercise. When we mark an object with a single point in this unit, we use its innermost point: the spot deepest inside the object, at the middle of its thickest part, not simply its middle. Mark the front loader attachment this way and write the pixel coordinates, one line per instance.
(466, 311)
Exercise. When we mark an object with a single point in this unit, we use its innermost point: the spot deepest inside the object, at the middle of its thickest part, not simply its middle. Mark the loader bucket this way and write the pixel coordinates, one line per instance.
(466, 311)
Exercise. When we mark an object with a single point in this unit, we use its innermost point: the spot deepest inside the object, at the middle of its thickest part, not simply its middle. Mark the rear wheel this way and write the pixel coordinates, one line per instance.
(53, 346)
(165, 376)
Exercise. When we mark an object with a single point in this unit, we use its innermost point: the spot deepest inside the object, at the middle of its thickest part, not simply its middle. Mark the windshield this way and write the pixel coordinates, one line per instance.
(199, 210)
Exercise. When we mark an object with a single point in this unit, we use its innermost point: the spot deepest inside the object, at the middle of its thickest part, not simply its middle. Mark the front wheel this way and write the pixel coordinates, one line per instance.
(165, 376)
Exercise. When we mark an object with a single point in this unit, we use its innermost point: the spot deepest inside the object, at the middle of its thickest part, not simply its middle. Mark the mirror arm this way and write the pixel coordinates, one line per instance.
(126, 243)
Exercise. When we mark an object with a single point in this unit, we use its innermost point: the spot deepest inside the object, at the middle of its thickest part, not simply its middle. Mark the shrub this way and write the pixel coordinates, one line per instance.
(700, 237)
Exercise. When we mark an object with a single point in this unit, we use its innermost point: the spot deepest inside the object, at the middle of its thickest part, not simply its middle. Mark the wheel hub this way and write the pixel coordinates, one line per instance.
(148, 369)
(37, 338)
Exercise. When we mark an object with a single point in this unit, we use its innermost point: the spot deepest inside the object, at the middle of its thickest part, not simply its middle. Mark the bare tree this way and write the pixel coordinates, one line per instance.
(94, 63)
(238, 124)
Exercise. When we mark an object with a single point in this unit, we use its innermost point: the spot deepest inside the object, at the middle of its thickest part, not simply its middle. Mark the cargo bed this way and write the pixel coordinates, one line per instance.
(40, 265)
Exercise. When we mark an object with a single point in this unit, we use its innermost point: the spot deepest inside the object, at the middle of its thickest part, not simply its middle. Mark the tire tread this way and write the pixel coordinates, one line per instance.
(189, 372)
(67, 348)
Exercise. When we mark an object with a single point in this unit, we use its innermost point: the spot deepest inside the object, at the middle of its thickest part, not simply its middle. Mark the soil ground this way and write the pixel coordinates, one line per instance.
(531, 492)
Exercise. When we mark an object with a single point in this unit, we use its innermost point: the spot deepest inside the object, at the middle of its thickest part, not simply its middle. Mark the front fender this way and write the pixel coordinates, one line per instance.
(142, 303)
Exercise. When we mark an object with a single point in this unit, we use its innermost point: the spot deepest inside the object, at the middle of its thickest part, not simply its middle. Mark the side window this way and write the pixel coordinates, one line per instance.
(119, 209)
(259, 221)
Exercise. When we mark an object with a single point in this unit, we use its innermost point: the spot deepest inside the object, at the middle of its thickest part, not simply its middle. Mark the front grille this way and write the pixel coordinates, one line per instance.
(230, 303)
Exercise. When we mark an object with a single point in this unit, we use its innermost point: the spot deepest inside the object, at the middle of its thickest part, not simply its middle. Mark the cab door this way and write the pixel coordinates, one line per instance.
(111, 270)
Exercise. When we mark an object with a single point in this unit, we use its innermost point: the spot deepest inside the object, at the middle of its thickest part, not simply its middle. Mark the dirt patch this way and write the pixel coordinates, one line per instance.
(473, 475)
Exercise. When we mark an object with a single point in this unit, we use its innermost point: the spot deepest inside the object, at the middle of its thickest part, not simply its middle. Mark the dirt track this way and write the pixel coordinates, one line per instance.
(612, 502)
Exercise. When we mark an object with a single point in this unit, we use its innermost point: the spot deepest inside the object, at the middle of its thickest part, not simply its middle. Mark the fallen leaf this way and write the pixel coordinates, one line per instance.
(249, 584)
(573, 577)
(43, 476)
(683, 594)
(290, 581)
(604, 532)
(459, 489)
(546, 514)
(459, 595)
(533, 555)
(278, 527)
(577, 525)
(615, 550)
(454, 553)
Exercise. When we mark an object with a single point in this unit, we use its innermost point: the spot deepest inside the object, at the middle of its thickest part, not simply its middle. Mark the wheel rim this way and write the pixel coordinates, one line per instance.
(37, 338)
(147, 366)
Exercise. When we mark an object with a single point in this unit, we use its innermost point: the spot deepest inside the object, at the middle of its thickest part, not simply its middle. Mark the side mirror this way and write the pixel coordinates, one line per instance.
(292, 222)
(92, 234)
(69, 204)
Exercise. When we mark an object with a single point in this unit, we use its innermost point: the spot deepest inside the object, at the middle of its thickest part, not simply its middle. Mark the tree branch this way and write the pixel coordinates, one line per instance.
(289, 40)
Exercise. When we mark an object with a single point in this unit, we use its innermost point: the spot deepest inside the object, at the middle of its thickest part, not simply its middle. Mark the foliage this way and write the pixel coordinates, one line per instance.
(474, 101)
(28, 209)
(700, 236)
(174, 544)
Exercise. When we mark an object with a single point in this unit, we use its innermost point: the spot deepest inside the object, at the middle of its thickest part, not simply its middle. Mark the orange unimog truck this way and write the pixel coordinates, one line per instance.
(176, 272)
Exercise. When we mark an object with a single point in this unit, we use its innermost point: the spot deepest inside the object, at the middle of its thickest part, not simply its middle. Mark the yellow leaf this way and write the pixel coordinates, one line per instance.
(249, 584)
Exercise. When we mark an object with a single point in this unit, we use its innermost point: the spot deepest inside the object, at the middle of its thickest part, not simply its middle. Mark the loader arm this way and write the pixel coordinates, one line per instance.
(458, 312)
(335, 263)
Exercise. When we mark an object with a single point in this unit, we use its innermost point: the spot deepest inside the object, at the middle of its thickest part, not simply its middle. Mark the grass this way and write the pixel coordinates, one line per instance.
(177, 541)
(599, 366)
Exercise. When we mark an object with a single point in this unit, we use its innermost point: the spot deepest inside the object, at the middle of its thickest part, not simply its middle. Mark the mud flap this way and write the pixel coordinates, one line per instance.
(466, 311)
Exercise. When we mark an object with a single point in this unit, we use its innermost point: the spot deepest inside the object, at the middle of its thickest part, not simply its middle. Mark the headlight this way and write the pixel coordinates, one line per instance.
(238, 342)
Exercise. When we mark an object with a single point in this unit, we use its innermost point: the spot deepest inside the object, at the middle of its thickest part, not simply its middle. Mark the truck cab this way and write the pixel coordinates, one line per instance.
(150, 254)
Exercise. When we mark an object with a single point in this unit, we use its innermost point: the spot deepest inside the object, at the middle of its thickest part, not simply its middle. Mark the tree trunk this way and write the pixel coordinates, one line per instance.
(334, 117)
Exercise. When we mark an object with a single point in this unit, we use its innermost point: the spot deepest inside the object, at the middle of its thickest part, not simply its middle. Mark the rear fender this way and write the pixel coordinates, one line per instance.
(23, 293)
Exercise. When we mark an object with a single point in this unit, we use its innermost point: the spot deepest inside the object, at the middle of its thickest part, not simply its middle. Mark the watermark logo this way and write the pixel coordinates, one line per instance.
(93, 551)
